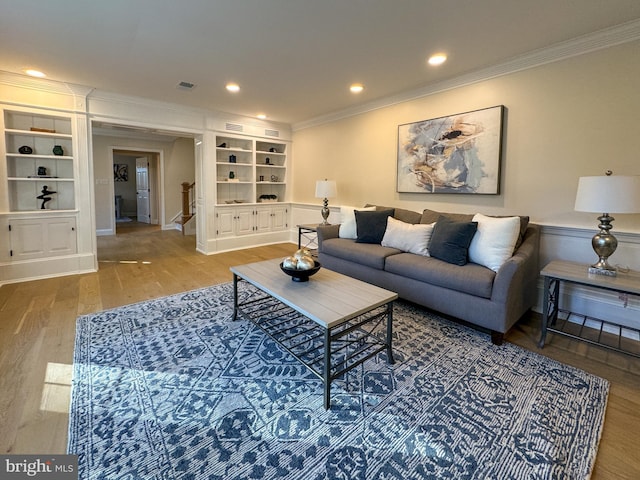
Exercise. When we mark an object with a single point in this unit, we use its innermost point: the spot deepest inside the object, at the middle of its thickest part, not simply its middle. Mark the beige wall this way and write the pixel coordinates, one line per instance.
(179, 166)
(564, 120)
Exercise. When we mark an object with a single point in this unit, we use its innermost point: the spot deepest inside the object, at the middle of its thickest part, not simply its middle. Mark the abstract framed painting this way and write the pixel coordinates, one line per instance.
(458, 153)
(120, 172)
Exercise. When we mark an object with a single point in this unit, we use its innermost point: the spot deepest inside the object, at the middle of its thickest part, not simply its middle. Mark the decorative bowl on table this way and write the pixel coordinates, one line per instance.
(298, 275)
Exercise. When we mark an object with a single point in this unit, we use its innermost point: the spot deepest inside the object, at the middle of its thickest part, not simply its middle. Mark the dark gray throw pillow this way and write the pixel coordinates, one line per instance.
(450, 240)
(370, 226)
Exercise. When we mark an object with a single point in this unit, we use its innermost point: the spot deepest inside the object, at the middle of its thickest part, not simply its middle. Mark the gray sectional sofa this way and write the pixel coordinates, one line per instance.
(492, 300)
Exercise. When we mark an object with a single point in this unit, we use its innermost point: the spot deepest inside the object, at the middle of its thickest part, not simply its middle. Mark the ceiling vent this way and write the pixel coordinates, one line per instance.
(272, 133)
(234, 127)
(186, 86)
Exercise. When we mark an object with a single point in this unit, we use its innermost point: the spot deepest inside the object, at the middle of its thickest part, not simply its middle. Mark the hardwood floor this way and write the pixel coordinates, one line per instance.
(37, 333)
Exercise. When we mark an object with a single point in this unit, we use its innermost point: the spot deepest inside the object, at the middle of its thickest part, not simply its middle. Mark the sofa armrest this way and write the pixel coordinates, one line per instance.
(326, 232)
(516, 281)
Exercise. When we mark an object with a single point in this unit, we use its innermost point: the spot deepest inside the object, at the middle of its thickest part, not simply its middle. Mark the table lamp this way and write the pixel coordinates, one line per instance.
(326, 189)
(607, 194)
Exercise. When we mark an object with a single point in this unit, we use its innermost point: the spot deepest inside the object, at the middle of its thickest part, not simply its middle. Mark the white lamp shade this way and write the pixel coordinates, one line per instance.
(326, 189)
(608, 194)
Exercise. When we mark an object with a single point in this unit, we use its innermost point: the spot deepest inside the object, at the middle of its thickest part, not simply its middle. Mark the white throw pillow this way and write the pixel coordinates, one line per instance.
(407, 237)
(348, 221)
(494, 241)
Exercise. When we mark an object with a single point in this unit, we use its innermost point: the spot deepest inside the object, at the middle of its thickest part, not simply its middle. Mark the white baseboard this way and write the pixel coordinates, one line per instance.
(23, 271)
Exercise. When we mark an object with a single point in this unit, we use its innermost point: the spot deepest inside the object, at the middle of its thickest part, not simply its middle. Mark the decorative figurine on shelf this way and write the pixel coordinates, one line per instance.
(25, 150)
(232, 175)
(57, 150)
(42, 171)
(274, 178)
(273, 150)
(232, 158)
(222, 145)
(45, 196)
(267, 161)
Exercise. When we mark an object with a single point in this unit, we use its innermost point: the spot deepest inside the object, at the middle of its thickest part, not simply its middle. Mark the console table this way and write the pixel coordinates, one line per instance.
(573, 324)
(307, 231)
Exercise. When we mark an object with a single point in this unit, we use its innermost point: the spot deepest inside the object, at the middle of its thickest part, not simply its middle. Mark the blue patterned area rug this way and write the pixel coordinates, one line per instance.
(173, 389)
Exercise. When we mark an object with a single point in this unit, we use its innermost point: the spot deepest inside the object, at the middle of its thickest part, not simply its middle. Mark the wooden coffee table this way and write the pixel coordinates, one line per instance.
(331, 324)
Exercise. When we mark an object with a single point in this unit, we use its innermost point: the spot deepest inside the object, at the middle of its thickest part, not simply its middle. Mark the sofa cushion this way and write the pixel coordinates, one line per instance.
(472, 279)
(524, 223)
(348, 221)
(369, 254)
(450, 240)
(495, 240)
(370, 226)
(402, 214)
(430, 216)
(407, 237)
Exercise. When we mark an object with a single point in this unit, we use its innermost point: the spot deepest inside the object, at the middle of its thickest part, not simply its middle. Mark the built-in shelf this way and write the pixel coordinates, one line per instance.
(50, 163)
(259, 168)
(35, 133)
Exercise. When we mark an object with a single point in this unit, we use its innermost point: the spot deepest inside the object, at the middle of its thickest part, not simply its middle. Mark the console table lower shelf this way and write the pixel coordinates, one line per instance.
(592, 330)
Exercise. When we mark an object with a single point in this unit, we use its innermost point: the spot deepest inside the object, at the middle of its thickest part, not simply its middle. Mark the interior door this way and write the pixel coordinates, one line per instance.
(142, 190)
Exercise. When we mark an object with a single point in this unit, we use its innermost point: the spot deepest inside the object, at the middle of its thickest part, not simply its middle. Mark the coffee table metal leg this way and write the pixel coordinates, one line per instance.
(327, 369)
(390, 358)
(235, 297)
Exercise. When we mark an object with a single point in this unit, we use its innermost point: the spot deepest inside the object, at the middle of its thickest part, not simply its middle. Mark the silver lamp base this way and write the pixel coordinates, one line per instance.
(602, 271)
(604, 244)
(325, 212)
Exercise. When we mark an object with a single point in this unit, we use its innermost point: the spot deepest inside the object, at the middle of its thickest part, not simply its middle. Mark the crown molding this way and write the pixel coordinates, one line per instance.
(610, 37)
(199, 118)
(44, 85)
(75, 95)
(120, 98)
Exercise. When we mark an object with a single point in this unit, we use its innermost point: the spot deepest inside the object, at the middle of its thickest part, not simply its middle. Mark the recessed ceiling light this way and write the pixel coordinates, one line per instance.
(437, 59)
(233, 87)
(261, 116)
(34, 73)
(356, 88)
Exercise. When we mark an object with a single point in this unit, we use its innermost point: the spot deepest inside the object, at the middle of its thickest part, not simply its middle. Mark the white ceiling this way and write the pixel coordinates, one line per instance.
(294, 59)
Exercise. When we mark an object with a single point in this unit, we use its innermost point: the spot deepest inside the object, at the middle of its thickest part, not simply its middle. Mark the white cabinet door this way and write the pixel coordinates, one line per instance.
(225, 221)
(271, 218)
(244, 221)
(61, 236)
(234, 221)
(42, 237)
(263, 219)
(279, 218)
(27, 239)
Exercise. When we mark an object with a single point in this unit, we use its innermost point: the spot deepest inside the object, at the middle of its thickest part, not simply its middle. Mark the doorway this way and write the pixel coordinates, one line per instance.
(136, 189)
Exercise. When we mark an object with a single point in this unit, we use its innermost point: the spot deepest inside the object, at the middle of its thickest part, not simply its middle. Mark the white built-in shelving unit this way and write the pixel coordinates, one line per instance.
(250, 171)
(39, 174)
(28, 174)
(251, 187)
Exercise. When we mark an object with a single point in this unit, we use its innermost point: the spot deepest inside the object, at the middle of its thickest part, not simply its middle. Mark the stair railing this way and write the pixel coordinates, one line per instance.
(188, 201)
